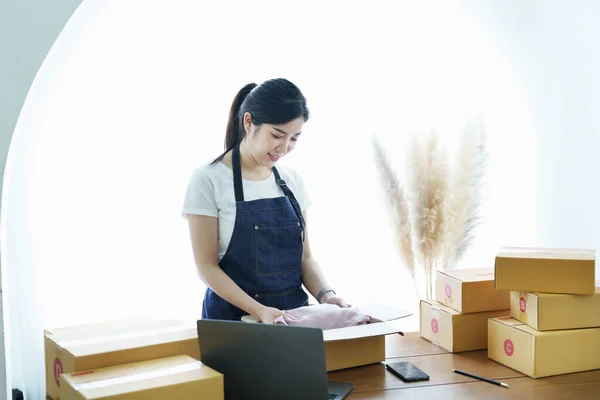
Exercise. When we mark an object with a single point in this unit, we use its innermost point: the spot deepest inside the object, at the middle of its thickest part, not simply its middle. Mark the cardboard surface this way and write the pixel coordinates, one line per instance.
(470, 290)
(546, 312)
(453, 331)
(561, 271)
(358, 345)
(539, 354)
(109, 343)
(179, 377)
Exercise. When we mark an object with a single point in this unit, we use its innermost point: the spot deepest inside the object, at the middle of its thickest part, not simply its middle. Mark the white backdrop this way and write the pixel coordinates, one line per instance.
(134, 95)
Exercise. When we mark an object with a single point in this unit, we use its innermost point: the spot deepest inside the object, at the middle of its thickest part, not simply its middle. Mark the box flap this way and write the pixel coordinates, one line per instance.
(360, 331)
(129, 340)
(471, 274)
(510, 321)
(382, 312)
(135, 371)
(526, 328)
(139, 376)
(436, 305)
(107, 328)
(378, 312)
(513, 323)
(350, 332)
(540, 294)
(156, 333)
(547, 253)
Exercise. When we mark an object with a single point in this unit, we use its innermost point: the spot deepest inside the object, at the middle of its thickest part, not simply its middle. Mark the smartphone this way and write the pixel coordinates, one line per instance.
(407, 371)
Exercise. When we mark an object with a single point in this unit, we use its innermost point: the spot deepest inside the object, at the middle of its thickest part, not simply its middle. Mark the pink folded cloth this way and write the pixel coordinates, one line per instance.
(324, 316)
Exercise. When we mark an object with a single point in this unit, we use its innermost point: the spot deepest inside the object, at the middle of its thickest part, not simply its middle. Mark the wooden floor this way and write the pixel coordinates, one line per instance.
(374, 382)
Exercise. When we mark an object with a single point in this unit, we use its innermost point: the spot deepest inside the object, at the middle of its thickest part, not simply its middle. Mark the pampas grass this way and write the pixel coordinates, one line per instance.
(399, 205)
(463, 203)
(427, 188)
(437, 209)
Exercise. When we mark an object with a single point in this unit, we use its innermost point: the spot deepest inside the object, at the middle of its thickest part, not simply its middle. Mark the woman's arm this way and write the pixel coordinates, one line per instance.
(313, 278)
(204, 233)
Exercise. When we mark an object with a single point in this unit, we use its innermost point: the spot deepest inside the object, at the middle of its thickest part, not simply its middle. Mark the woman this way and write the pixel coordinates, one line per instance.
(247, 217)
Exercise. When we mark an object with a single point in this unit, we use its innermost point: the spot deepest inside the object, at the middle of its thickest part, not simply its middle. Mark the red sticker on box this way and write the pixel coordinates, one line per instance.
(523, 304)
(448, 291)
(509, 347)
(58, 370)
(434, 325)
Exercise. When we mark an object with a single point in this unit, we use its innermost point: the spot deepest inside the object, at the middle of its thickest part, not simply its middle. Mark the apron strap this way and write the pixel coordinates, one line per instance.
(239, 189)
(237, 174)
(290, 195)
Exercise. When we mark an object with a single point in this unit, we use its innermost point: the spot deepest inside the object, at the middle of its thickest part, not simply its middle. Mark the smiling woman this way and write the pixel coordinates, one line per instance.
(118, 118)
(247, 227)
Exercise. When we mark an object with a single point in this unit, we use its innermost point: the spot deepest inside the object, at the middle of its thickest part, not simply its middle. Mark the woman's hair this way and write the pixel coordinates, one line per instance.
(276, 101)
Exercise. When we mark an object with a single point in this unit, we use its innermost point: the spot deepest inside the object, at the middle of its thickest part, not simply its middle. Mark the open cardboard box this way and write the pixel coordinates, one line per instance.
(358, 345)
(85, 347)
(177, 377)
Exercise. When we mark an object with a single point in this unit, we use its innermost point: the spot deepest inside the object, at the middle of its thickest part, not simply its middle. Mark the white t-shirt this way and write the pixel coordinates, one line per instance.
(210, 192)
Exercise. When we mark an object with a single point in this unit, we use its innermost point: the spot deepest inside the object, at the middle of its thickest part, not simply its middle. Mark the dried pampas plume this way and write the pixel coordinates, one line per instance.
(462, 206)
(427, 192)
(437, 211)
(398, 202)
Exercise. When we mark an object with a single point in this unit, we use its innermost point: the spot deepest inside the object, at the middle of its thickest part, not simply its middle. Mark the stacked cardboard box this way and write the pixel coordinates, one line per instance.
(178, 377)
(465, 299)
(554, 327)
(81, 352)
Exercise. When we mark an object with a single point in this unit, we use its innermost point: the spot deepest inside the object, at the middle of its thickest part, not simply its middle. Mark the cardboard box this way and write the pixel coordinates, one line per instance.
(179, 377)
(110, 343)
(355, 346)
(549, 312)
(563, 271)
(453, 331)
(539, 354)
(470, 290)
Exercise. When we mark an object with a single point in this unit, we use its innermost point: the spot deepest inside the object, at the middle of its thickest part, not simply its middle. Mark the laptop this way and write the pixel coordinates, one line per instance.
(266, 361)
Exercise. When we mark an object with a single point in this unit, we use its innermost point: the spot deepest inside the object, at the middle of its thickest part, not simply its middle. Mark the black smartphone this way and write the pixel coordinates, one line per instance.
(407, 371)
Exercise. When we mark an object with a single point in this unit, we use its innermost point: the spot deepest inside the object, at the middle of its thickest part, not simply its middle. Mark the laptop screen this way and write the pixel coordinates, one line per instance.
(264, 361)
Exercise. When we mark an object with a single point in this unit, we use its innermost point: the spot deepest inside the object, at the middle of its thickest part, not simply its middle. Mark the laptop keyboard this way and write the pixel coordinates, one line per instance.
(332, 396)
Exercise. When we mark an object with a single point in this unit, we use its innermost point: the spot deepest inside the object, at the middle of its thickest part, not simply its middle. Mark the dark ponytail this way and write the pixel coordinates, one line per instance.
(276, 101)
(235, 125)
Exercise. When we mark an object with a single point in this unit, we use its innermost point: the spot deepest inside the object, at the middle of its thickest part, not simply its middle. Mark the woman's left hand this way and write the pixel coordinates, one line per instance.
(330, 298)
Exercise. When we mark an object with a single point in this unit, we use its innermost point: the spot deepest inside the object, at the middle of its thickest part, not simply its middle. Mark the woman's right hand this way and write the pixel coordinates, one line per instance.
(267, 315)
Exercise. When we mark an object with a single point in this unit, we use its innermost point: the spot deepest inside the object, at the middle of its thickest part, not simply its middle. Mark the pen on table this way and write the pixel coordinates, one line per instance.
(458, 371)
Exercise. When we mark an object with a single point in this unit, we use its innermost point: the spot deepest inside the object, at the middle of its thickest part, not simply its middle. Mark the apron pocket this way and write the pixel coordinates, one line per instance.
(278, 247)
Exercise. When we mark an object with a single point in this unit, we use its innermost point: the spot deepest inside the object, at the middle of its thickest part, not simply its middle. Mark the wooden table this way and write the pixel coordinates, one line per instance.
(374, 382)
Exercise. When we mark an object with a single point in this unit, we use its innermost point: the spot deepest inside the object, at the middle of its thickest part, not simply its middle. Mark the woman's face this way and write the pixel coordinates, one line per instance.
(268, 143)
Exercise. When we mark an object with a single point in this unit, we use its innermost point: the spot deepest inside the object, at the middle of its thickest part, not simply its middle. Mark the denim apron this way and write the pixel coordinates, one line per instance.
(264, 257)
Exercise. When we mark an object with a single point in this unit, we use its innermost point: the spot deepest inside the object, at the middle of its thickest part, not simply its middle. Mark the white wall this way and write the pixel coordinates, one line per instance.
(27, 31)
(553, 47)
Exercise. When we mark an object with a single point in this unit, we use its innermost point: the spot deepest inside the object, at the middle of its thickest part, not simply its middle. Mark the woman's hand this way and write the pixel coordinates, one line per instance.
(331, 298)
(267, 315)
